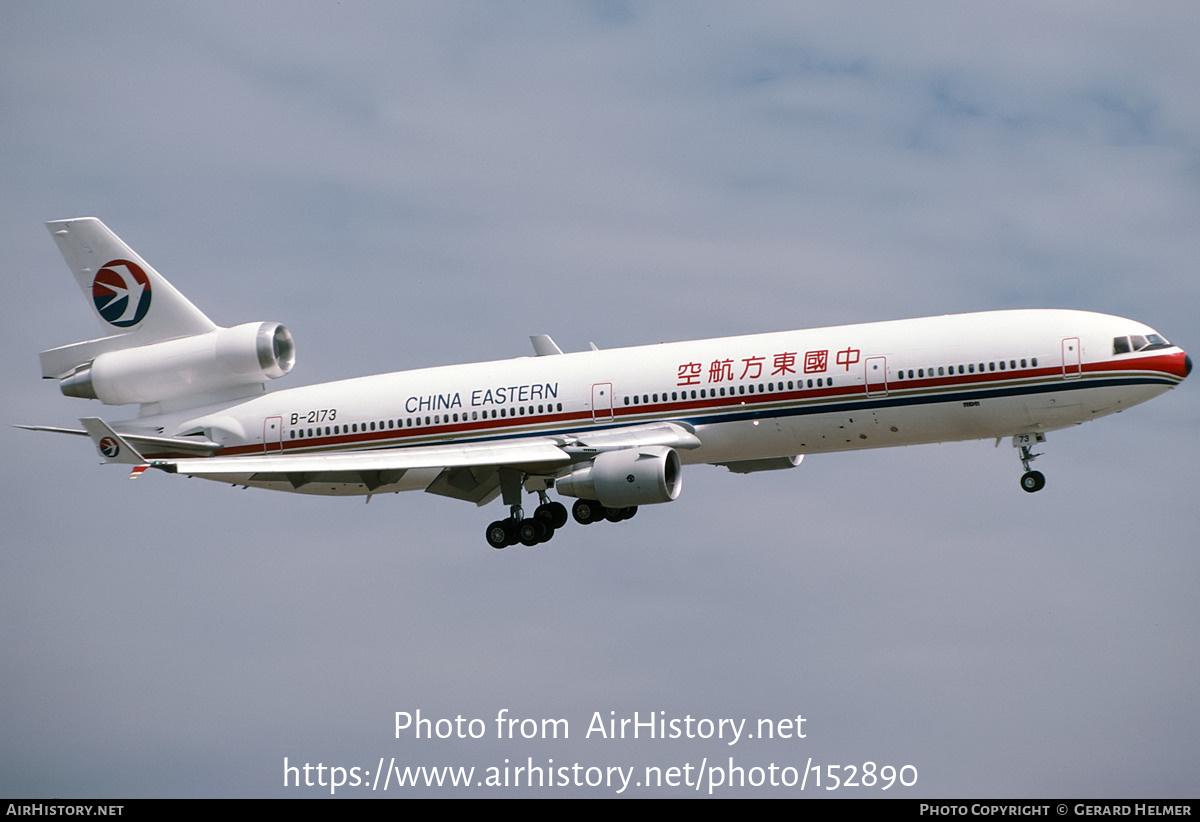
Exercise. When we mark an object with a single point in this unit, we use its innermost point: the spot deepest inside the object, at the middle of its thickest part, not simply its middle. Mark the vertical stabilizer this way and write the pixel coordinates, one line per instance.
(125, 292)
(161, 352)
(131, 301)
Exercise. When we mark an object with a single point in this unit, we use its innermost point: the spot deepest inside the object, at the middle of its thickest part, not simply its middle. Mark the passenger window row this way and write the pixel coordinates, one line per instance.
(730, 391)
(417, 422)
(967, 368)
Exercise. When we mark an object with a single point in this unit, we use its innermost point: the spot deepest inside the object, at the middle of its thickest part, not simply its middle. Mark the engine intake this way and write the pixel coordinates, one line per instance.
(631, 476)
(227, 358)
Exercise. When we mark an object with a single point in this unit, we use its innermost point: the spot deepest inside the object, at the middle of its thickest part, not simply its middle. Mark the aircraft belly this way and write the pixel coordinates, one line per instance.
(1063, 409)
(896, 425)
(743, 440)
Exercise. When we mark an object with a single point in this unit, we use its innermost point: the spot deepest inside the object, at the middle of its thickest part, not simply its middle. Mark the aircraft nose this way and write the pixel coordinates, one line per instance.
(1178, 364)
(1181, 364)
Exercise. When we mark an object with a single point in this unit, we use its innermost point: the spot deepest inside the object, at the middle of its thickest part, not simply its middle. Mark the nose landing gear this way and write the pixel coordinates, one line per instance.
(1031, 481)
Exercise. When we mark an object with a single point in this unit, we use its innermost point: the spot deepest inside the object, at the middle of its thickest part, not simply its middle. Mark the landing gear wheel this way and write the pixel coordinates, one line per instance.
(587, 511)
(497, 534)
(532, 531)
(554, 513)
(1032, 481)
(628, 512)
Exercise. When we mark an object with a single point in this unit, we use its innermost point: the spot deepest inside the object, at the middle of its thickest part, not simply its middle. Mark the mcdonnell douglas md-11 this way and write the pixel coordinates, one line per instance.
(611, 428)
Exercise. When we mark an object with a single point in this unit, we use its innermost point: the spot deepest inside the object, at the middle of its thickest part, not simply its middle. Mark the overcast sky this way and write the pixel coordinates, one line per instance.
(413, 184)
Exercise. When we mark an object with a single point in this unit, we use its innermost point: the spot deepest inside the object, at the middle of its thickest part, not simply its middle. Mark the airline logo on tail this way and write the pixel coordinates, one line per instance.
(108, 447)
(121, 291)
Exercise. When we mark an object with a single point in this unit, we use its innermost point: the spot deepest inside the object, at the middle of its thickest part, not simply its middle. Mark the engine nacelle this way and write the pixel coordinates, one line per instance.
(631, 476)
(227, 358)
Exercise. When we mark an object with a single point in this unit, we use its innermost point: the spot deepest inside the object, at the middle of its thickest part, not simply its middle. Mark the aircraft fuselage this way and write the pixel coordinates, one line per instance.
(610, 428)
(749, 398)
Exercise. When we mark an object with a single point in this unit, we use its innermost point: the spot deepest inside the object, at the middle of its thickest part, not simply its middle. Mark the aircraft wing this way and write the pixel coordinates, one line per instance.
(468, 470)
(534, 451)
(673, 434)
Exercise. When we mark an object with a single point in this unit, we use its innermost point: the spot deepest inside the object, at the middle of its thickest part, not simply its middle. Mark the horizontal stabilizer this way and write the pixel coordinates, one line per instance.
(111, 445)
(63, 361)
(147, 445)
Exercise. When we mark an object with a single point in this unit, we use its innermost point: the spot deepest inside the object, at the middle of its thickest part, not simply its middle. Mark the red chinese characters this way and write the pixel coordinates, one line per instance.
(753, 364)
(784, 363)
(816, 362)
(753, 367)
(689, 373)
(720, 370)
(847, 357)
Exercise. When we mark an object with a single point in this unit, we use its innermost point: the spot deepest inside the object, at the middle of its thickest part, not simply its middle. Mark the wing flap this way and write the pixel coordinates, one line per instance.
(477, 483)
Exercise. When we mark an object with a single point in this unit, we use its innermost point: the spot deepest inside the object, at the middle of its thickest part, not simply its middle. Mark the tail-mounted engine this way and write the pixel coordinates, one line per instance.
(631, 476)
(217, 361)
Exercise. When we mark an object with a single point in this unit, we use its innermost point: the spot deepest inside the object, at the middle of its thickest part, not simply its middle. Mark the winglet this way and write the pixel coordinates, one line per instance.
(112, 446)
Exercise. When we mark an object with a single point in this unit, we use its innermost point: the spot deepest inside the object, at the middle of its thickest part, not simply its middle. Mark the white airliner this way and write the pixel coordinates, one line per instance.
(611, 428)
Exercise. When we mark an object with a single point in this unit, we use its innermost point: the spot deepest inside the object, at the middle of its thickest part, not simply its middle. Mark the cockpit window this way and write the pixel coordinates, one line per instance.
(1139, 342)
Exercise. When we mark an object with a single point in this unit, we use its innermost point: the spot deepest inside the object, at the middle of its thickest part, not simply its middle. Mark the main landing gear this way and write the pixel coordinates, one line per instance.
(1031, 481)
(547, 518)
(587, 511)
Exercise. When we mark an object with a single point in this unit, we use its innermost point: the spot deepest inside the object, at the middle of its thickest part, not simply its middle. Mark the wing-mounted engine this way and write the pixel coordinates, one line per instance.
(630, 476)
(215, 362)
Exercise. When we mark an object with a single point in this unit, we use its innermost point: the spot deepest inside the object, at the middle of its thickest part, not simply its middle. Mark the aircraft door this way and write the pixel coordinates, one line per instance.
(875, 371)
(602, 406)
(1072, 362)
(273, 434)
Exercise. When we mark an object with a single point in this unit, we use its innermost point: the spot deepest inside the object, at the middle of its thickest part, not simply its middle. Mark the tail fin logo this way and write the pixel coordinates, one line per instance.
(109, 447)
(121, 292)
